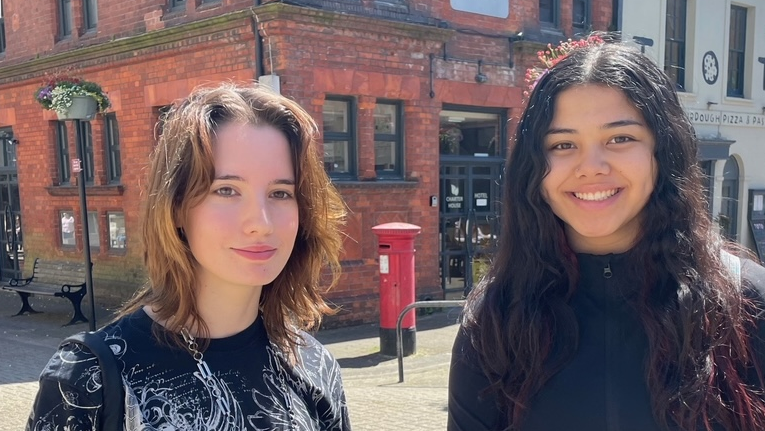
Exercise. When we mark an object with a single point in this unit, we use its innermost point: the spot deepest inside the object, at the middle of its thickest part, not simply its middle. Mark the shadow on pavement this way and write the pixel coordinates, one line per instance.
(365, 361)
(440, 318)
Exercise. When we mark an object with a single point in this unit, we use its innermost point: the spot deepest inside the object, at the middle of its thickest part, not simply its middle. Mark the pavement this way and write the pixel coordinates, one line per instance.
(376, 400)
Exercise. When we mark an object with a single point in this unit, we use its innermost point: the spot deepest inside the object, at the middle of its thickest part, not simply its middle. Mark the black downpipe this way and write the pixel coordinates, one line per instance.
(259, 67)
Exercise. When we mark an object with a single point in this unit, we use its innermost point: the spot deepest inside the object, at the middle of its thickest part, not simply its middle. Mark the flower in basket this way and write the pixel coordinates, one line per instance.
(56, 93)
(552, 56)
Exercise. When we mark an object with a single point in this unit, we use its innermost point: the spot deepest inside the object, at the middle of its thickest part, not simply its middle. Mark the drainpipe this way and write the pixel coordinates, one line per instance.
(259, 68)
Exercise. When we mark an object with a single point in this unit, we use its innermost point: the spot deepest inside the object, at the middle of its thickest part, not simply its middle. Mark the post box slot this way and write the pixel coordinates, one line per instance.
(385, 246)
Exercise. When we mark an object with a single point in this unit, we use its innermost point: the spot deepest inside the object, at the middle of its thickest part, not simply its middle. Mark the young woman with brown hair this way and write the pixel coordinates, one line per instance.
(239, 221)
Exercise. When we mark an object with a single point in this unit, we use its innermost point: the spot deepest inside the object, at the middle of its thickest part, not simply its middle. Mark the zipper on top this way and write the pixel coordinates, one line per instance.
(607, 271)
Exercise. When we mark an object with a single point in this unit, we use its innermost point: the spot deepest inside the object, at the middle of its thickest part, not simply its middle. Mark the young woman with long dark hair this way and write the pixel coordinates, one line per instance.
(611, 303)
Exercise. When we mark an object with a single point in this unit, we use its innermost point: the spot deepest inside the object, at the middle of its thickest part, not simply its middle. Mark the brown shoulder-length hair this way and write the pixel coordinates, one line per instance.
(180, 174)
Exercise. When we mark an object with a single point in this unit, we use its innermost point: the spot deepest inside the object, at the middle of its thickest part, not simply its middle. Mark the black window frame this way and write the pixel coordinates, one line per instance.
(350, 136)
(62, 153)
(397, 138)
(674, 59)
(90, 14)
(112, 149)
(737, 52)
(554, 12)
(584, 25)
(2, 30)
(85, 132)
(176, 5)
(65, 18)
(7, 148)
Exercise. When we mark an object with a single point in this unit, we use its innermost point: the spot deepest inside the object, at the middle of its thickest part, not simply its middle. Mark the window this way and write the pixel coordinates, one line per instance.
(581, 15)
(112, 150)
(548, 12)
(86, 135)
(471, 133)
(177, 4)
(727, 219)
(90, 13)
(674, 45)
(7, 148)
(65, 18)
(117, 235)
(389, 145)
(737, 51)
(62, 152)
(2, 29)
(67, 228)
(94, 238)
(339, 138)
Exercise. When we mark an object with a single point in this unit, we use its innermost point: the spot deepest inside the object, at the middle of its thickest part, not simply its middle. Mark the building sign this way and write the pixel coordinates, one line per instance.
(711, 67)
(719, 118)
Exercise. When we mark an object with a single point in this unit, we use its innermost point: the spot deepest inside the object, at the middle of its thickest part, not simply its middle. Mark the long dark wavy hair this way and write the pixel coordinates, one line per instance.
(697, 324)
(180, 174)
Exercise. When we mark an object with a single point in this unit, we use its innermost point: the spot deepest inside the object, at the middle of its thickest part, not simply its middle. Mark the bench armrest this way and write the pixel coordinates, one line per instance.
(67, 288)
(19, 281)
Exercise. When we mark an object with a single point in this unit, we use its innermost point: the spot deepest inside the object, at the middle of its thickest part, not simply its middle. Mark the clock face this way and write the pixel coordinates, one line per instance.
(710, 67)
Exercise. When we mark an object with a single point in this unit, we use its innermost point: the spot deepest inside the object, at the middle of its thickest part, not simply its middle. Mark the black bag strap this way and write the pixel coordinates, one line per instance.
(113, 409)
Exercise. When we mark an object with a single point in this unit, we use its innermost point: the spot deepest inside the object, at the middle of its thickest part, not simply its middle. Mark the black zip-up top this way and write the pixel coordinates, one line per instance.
(603, 387)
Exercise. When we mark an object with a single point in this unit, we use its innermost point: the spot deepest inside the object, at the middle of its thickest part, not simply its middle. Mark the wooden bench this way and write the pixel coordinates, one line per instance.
(52, 278)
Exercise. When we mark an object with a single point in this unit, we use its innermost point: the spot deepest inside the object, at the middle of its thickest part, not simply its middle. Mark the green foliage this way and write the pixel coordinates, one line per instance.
(56, 93)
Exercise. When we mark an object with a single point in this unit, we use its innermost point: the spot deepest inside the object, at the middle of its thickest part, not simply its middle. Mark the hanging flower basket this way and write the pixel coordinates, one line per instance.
(72, 98)
(82, 108)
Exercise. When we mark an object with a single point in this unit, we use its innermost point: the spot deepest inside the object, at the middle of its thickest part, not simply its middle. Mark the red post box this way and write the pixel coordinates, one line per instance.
(395, 247)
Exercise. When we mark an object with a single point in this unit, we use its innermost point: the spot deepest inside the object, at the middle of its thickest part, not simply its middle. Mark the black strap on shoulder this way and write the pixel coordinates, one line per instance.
(113, 411)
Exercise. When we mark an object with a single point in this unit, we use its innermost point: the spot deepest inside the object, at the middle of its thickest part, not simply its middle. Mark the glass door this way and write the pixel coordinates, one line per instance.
(469, 226)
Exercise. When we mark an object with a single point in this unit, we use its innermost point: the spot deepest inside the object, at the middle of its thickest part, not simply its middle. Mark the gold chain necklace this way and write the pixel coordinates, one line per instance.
(210, 381)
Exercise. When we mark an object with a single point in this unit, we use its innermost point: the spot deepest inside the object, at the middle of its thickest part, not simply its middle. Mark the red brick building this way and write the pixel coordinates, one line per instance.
(416, 100)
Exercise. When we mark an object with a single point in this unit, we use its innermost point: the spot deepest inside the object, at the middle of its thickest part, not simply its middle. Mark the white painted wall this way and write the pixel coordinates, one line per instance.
(707, 30)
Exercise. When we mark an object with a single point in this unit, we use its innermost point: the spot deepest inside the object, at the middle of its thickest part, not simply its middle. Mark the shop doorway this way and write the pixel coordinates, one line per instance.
(471, 161)
(11, 234)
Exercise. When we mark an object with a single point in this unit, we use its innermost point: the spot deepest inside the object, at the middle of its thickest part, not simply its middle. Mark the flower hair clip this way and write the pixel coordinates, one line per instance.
(552, 56)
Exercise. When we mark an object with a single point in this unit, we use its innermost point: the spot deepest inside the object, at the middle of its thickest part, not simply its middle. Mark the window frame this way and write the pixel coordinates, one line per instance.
(65, 18)
(740, 53)
(62, 153)
(177, 5)
(585, 25)
(111, 248)
(679, 64)
(555, 12)
(60, 217)
(90, 14)
(397, 138)
(2, 30)
(350, 136)
(112, 149)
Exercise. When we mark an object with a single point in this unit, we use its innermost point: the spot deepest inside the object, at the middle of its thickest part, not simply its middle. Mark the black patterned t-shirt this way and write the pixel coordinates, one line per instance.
(250, 386)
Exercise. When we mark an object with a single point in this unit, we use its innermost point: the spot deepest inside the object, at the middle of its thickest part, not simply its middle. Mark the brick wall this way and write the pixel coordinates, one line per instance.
(421, 53)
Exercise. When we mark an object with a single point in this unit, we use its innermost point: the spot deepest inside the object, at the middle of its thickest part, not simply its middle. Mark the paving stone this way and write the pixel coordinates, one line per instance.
(377, 401)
